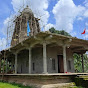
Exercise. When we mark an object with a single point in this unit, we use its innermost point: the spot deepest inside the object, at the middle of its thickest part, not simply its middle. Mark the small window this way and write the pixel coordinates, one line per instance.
(69, 64)
(33, 66)
(53, 64)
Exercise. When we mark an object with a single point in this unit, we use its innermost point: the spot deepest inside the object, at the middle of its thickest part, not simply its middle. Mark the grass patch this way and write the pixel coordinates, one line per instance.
(12, 85)
(76, 87)
(6, 85)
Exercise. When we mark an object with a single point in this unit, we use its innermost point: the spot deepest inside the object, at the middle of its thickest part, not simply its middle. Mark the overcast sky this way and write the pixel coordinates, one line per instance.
(68, 15)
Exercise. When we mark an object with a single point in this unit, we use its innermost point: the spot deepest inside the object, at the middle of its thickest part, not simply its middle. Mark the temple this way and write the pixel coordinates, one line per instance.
(40, 52)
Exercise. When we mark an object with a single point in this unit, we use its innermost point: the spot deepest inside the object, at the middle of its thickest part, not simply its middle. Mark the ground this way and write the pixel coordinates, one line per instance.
(8, 85)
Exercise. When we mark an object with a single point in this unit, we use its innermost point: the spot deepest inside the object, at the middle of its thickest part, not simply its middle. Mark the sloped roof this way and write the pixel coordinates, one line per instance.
(74, 42)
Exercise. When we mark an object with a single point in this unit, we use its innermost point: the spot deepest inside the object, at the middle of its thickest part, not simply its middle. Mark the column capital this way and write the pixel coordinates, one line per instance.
(66, 41)
(64, 46)
(15, 53)
(44, 43)
(30, 47)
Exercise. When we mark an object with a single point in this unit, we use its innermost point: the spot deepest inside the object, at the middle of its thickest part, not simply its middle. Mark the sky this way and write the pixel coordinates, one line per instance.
(68, 15)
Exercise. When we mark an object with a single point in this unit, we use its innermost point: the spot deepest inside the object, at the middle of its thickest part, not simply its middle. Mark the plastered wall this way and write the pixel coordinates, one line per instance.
(37, 60)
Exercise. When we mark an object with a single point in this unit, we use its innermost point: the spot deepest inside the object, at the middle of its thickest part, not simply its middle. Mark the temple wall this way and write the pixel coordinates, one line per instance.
(37, 60)
(70, 61)
(52, 54)
(23, 62)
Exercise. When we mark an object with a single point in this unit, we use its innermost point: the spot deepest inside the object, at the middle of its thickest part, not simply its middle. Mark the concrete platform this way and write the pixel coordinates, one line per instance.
(49, 74)
(38, 80)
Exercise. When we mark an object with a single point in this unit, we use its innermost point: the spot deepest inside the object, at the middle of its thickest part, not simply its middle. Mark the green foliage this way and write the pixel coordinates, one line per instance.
(6, 85)
(8, 66)
(76, 87)
(62, 32)
(78, 63)
(85, 63)
(12, 85)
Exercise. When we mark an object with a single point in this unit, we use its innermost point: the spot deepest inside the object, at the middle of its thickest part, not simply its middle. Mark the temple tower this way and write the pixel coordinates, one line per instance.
(21, 22)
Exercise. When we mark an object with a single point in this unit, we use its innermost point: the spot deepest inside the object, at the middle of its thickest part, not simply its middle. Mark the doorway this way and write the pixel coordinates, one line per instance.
(60, 64)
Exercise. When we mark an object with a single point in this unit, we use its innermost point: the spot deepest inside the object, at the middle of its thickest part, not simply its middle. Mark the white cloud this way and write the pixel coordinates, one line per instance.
(86, 23)
(86, 3)
(8, 24)
(86, 13)
(86, 10)
(2, 43)
(48, 26)
(86, 37)
(79, 18)
(65, 12)
(73, 34)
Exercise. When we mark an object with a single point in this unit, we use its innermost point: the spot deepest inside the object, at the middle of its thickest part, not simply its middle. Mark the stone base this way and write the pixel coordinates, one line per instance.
(60, 85)
(38, 81)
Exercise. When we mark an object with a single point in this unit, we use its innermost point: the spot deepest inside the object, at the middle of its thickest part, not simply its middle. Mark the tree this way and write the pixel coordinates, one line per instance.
(62, 32)
(77, 62)
(6, 66)
(85, 63)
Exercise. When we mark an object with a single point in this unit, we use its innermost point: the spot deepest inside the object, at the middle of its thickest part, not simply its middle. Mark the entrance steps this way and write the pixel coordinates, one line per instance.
(60, 85)
(82, 80)
(84, 77)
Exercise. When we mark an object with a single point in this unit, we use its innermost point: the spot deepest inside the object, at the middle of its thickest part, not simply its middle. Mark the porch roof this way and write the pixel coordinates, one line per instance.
(77, 45)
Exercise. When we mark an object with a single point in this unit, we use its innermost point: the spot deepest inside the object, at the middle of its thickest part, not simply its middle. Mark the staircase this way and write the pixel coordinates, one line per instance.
(82, 80)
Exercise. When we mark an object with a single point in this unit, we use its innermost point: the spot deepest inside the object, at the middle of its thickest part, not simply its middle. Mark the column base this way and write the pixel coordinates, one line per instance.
(45, 73)
(29, 73)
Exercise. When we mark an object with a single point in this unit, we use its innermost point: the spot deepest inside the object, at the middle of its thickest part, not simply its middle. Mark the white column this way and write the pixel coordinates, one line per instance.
(44, 59)
(30, 60)
(64, 59)
(15, 63)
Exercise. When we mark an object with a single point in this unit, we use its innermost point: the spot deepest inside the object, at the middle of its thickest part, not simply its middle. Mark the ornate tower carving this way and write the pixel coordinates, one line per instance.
(20, 31)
